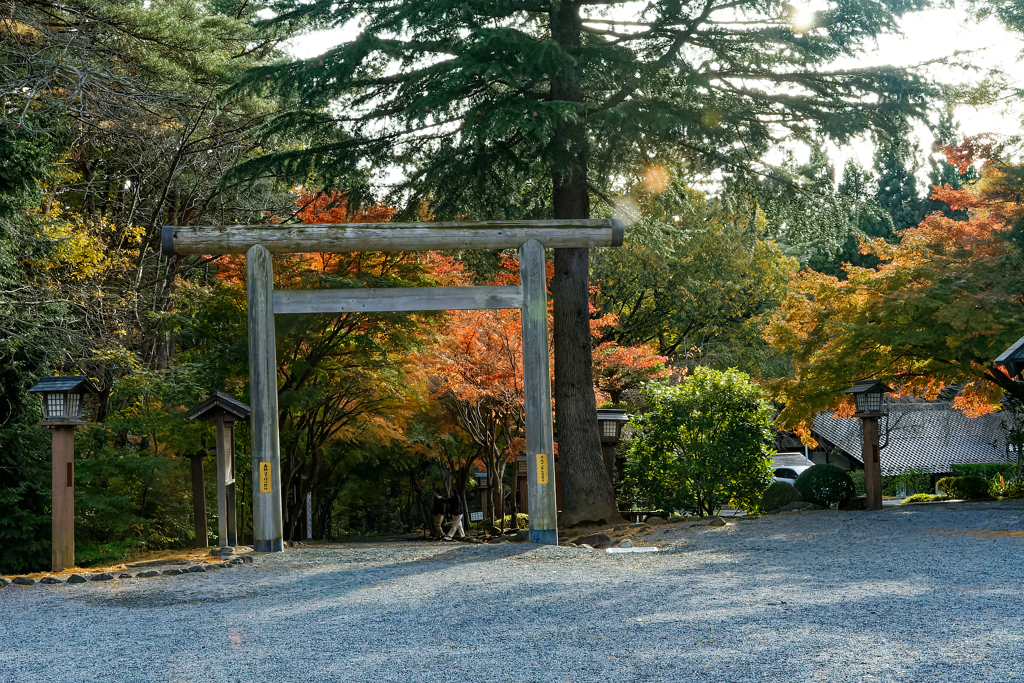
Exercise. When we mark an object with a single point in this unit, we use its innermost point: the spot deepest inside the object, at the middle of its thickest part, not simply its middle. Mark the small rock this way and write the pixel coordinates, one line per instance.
(522, 536)
(102, 576)
(619, 527)
(4, 582)
(655, 520)
(23, 581)
(77, 578)
(636, 524)
(717, 521)
(214, 566)
(626, 543)
(124, 576)
(675, 519)
(223, 550)
(173, 572)
(50, 580)
(197, 568)
(248, 559)
(593, 539)
(147, 574)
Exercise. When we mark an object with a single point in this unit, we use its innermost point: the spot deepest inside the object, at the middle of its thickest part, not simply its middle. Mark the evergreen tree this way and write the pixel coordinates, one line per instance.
(528, 108)
(896, 166)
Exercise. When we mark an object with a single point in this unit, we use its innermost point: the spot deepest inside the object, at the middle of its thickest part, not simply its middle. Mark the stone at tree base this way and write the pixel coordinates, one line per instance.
(247, 559)
(655, 520)
(626, 543)
(797, 506)
(102, 576)
(173, 572)
(619, 527)
(4, 582)
(197, 568)
(50, 580)
(77, 578)
(124, 576)
(147, 574)
(717, 521)
(224, 550)
(674, 519)
(593, 539)
(23, 581)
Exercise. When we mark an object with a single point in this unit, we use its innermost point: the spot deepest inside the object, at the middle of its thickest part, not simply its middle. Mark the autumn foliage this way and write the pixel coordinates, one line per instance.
(943, 302)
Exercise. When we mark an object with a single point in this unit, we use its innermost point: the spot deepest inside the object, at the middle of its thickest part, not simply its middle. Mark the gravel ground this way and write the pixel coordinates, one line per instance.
(917, 593)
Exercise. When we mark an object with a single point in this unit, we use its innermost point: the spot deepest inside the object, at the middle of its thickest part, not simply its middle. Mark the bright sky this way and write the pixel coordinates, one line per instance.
(927, 36)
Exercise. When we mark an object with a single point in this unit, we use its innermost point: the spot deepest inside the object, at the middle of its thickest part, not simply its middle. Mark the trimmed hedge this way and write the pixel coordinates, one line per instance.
(965, 488)
(780, 493)
(825, 485)
(986, 470)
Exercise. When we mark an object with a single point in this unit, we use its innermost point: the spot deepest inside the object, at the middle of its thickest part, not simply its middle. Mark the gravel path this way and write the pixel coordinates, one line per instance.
(917, 593)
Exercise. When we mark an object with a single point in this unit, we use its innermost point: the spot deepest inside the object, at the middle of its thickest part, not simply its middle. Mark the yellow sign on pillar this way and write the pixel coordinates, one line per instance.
(265, 477)
(542, 468)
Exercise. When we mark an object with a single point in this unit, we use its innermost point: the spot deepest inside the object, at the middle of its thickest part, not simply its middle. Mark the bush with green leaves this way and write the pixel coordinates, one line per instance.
(965, 488)
(825, 485)
(1003, 487)
(703, 443)
(985, 470)
(779, 494)
(924, 498)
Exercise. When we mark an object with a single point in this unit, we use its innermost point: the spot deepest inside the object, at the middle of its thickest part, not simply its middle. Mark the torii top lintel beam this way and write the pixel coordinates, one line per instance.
(353, 237)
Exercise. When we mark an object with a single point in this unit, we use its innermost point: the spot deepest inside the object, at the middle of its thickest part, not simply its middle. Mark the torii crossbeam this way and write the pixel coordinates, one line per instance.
(258, 242)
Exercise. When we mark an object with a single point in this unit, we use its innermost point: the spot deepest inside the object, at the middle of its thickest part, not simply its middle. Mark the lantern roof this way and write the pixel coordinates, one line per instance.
(66, 383)
(868, 386)
(613, 414)
(1012, 359)
(220, 402)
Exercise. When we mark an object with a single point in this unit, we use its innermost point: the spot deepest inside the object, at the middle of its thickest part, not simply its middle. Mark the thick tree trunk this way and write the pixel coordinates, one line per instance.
(587, 494)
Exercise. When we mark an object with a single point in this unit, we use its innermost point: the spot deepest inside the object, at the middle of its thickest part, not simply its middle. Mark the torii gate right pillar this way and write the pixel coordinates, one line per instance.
(540, 459)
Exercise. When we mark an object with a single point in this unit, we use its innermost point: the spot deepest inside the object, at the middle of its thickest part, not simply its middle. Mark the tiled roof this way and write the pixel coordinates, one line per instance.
(929, 436)
(66, 383)
(233, 408)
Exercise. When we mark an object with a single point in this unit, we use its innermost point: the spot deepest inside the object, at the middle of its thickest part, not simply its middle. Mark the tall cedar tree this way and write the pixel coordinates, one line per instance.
(527, 108)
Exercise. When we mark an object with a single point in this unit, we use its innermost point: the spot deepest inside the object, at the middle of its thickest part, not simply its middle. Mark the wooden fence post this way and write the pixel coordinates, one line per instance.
(540, 460)
(62, 553)
(267, 523)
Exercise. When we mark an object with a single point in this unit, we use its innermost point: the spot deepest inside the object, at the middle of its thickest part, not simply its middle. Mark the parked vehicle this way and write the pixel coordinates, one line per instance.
(788, 466)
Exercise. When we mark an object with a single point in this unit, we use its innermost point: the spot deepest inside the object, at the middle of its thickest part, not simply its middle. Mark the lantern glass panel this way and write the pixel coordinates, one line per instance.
(861, 402)
(54, 403)
(874, 400)
(609, 428)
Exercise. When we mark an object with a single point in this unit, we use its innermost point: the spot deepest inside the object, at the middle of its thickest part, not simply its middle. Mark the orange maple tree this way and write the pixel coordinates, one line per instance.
(943, 302)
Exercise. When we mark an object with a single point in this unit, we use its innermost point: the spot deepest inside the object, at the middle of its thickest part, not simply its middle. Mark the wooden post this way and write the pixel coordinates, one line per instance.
(62, 554)
(267, 523)
(231, 488)
(199, 500)
(222, 480)
(540, 460)
(872, 464)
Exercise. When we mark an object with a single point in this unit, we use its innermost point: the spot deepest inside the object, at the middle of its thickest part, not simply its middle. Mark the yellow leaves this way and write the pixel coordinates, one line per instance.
(81, 247)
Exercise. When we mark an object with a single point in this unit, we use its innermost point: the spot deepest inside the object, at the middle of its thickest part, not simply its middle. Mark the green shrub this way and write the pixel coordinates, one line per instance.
(703, 443)
(1001, 487)
(986, 471)
(964, 488)
(779, 494)
(912, 480)
(924, 498)
(522, 518)
(825, 485)
(857, 477)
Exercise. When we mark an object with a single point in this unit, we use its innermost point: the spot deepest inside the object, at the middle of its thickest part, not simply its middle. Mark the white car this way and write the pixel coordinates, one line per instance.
(789, 473)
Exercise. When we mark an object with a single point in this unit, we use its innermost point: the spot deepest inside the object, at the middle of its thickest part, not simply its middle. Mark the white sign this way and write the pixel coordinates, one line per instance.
(476, 516)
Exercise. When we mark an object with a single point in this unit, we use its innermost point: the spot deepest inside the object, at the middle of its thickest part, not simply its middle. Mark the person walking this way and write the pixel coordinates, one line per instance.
(438, 511)
(455, 510)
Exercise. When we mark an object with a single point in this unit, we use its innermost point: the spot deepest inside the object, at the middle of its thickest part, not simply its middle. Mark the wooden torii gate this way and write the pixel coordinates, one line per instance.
(258, 242)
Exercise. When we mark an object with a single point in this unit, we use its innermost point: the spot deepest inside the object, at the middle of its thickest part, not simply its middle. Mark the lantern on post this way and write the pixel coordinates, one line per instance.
(870, 403)
(610, 422)
(223, 410)
(63, 400)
